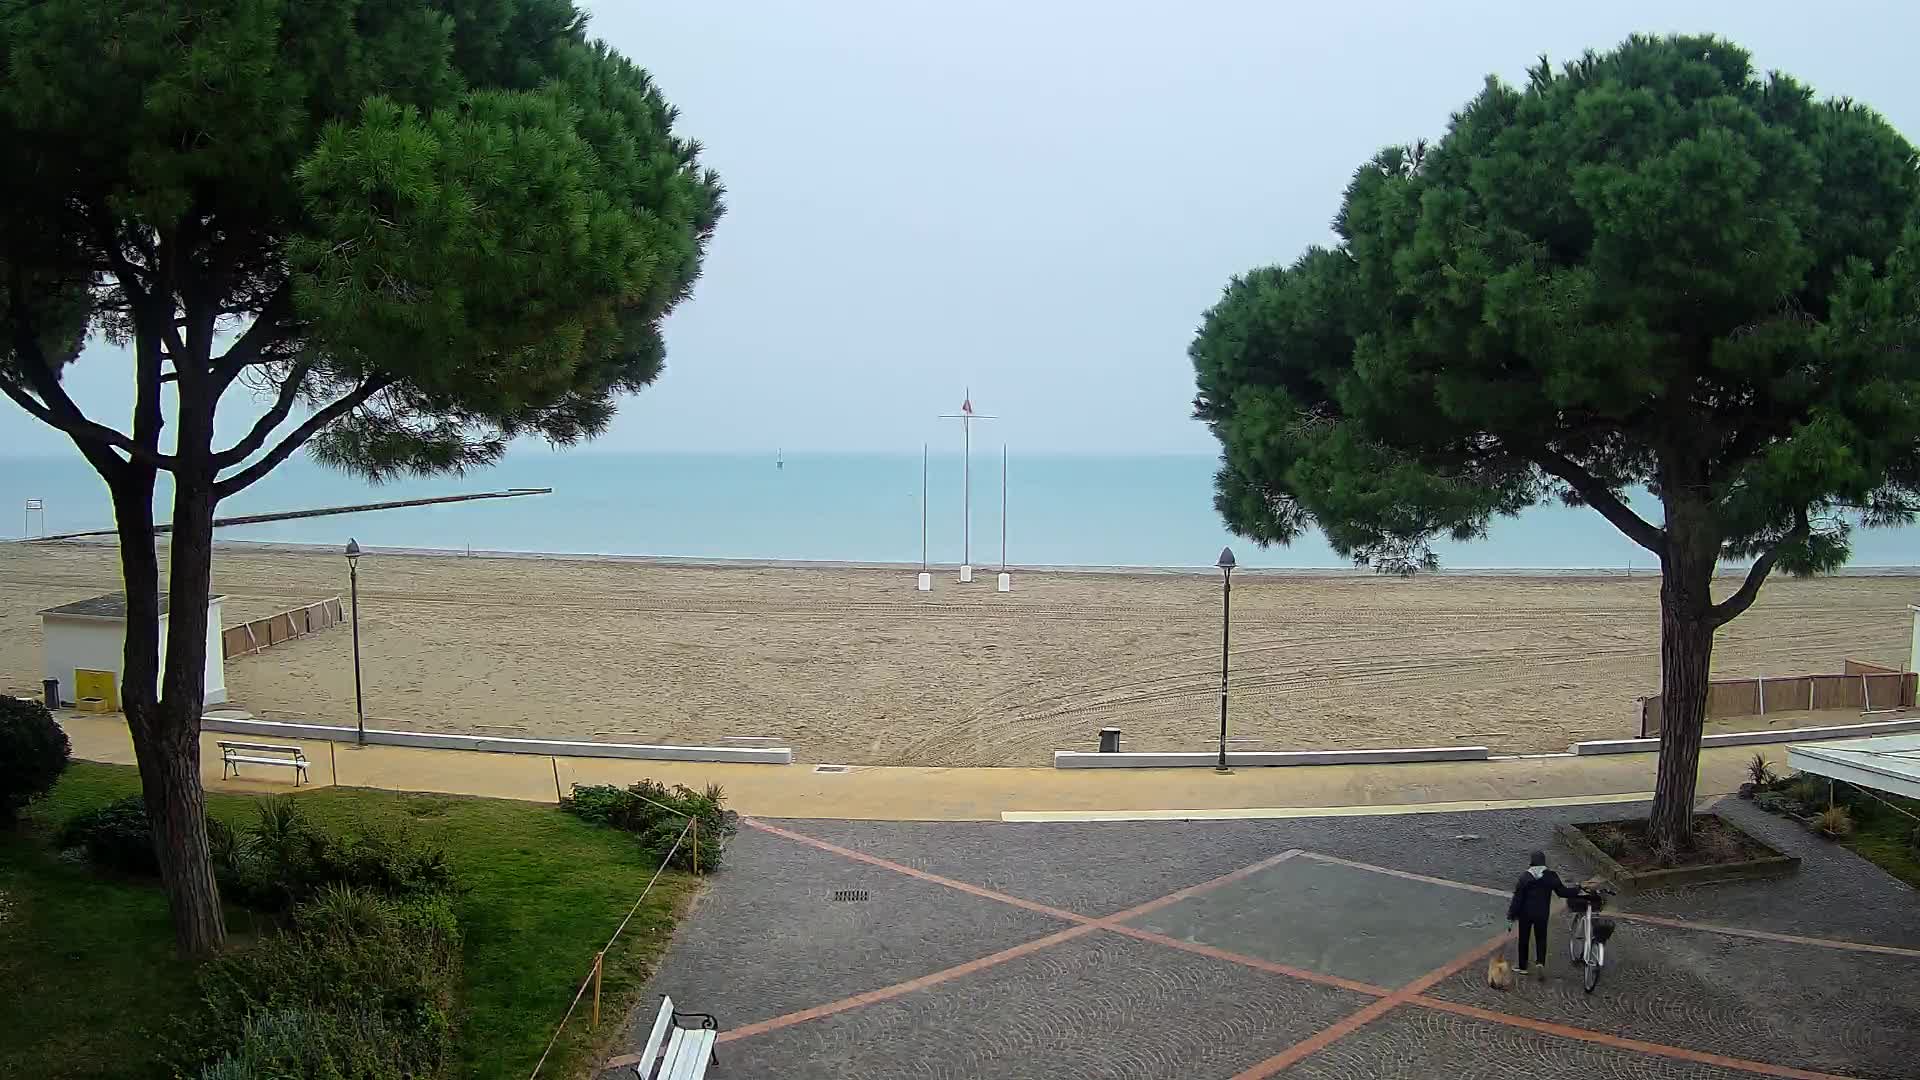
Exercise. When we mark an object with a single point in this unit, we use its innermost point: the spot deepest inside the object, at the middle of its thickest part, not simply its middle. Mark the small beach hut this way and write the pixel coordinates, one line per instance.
(82, 646)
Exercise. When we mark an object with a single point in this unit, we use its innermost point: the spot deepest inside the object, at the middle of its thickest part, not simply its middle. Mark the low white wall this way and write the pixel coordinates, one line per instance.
(1080, 759)
(1753, 738)
(757, 755)
(68, 643)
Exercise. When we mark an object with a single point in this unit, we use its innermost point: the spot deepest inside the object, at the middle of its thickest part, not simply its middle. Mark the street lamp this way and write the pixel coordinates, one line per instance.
(1225, 564)
(353, 577)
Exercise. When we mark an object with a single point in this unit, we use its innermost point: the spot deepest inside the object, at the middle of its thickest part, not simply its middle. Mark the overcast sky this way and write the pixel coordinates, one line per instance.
(1038, 200)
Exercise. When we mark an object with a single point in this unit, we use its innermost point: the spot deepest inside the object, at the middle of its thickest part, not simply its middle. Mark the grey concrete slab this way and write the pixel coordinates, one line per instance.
(1094, 1008)
(1422, 1044)
(1335, 920)
(767, 938)
(1795, 1005)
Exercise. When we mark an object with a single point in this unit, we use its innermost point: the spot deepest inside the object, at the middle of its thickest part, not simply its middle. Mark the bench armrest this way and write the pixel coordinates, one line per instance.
(707, 1019)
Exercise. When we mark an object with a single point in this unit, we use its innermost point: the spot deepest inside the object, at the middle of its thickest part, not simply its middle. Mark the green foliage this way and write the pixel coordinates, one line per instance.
(116, 836)
(361, 986)
(91, 976)
(658, 815)
(1653, 267)
(33, 754)
(277, 861)
(1759, 771)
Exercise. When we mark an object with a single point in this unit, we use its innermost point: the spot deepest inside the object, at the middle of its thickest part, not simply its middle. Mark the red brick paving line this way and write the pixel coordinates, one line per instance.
(1353, 1022)
(1653, 920)
(1617, 1042)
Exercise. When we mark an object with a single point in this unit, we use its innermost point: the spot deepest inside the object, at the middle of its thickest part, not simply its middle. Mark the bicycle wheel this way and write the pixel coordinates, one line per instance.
(1591, 977)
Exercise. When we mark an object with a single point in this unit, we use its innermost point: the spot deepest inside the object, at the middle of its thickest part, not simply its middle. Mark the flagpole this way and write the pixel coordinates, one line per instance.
(923, 507)
(1003, 508)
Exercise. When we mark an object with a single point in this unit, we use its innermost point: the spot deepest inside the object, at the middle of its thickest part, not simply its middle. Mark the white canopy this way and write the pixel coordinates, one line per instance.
(1889, 763)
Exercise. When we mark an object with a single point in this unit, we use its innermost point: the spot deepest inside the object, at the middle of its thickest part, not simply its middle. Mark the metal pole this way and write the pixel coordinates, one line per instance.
(923, 506)
(359, 700)
(966, 483)
(1226, 628)
(1003, 508)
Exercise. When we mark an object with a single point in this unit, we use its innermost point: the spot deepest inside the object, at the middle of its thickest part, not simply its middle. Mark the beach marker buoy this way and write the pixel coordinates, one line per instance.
(925, 583)
(1006, 582)
(966, 572)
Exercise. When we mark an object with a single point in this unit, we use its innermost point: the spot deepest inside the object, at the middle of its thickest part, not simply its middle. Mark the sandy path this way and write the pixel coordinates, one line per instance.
(852, 665)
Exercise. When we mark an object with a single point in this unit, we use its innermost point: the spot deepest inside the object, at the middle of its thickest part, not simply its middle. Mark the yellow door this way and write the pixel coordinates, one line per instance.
(96, 684)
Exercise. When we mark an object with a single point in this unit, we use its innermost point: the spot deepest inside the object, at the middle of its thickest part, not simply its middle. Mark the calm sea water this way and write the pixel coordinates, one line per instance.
(1062, 510)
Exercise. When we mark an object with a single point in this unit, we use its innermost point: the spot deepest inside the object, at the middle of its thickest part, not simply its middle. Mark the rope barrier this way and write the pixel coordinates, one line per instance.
(589, 980)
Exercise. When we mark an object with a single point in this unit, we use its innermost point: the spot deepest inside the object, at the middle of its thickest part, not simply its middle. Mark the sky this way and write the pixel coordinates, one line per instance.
(1037, 201)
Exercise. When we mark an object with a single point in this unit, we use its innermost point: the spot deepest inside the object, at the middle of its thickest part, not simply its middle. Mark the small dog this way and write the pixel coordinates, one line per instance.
(1500, 973)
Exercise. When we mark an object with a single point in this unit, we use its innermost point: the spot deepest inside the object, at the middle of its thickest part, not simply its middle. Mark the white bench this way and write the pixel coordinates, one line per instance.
(235, 754)
(688, 1051)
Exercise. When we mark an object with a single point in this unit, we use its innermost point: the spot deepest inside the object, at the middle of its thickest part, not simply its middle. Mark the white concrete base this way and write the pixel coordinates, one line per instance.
(924, 583)
(1259, 813)
(1078, 759)
(1006, 583)
(966, 573)
(762, 755)
(1752, 738)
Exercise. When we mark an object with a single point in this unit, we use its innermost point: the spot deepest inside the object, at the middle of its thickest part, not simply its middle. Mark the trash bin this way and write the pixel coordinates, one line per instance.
(51, 689)
(1109, 740)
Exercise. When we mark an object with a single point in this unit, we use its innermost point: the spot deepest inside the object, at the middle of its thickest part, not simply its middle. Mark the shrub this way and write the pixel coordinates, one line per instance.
(1608, 838)
(116, 836)
(283, 860)
(361, 985)
(1760, 772)
(657, 815)
(33, 754)
(1811, 792)
(1837, 822)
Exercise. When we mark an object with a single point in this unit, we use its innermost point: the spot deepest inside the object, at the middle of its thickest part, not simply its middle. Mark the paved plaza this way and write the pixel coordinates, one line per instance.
(1327, 948)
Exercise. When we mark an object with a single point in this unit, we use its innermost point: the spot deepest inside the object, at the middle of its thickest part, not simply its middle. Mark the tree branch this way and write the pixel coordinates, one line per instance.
(262, 428)
(1727, 610)
(266, 330)
(243, 479)
(1601, 498)
(57, 410)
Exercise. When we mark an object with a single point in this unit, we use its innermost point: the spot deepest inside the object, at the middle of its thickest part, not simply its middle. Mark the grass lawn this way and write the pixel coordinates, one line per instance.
(88, 975)
(1883, 836)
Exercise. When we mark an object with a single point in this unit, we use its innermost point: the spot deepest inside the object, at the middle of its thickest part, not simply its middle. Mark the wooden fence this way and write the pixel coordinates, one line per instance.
(1863, 686)
(265, 633)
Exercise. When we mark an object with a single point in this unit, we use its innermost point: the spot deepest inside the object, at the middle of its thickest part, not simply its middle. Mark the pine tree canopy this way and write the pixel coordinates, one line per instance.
(1654, 267)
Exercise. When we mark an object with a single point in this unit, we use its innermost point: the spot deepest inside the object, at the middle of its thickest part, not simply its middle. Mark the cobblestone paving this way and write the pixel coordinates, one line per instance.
(1099, 1006)
(766, 941)
(1421, 1044)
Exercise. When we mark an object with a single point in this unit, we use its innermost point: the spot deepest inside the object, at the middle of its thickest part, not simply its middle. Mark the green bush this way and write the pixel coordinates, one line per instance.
(360, 986)
(33, 753)
(116, 836)
(282, 860)
(1837, 822)
(658, 815)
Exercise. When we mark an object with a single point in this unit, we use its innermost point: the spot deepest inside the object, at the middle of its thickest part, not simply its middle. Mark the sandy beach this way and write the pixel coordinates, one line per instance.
(851, 665)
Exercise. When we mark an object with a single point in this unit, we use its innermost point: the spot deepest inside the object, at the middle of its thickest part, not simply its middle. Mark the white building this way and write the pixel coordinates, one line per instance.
(83, 646)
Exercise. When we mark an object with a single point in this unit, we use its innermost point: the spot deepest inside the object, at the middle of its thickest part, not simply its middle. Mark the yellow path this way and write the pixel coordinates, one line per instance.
(977, 794)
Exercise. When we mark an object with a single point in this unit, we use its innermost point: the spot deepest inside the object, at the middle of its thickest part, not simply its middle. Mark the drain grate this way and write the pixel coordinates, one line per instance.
(843, 896)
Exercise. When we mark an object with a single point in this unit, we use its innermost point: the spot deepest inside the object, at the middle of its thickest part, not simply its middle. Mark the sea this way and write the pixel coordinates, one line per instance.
(1060, 510)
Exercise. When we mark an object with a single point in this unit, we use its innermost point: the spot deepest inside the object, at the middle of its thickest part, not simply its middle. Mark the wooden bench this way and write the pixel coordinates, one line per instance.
(689, 1050)
(235, 754)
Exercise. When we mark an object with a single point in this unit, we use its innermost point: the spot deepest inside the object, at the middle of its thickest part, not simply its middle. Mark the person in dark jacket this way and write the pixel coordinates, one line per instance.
(1532, 901)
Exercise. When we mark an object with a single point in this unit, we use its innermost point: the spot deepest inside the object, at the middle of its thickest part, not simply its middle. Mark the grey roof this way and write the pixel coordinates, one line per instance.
(111, 605)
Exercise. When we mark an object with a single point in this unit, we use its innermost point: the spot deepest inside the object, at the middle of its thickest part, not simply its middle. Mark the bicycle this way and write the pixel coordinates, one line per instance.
(1587, 937)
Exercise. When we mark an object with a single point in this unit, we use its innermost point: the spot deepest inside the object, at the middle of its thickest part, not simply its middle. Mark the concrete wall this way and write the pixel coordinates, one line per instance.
(1753, 738)
(1078, 759)
(78, 641)
(760, 755)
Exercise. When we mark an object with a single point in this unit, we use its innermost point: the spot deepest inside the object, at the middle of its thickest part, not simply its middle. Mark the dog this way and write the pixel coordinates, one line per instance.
(1500, 973)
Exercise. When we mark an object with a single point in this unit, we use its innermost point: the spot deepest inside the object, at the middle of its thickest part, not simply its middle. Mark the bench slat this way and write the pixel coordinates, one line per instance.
(268, 761)
(670, 1065)
(699, 1052)
(651, 1050)
(261, 746)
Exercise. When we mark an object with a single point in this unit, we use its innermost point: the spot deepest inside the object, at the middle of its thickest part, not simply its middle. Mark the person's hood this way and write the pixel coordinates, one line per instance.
(1536, 871)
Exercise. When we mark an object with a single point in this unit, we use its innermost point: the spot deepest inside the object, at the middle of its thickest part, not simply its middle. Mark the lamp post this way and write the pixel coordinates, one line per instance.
(1225, 564)
(353, 578)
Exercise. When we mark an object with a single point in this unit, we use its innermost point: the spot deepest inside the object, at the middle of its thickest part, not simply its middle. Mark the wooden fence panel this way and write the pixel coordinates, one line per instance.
(251, 637)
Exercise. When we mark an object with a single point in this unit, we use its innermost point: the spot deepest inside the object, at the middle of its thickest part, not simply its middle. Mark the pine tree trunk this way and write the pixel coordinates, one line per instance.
(1686, 660)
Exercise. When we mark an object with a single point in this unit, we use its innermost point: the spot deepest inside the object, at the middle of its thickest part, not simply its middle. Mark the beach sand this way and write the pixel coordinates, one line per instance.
(851, 665)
